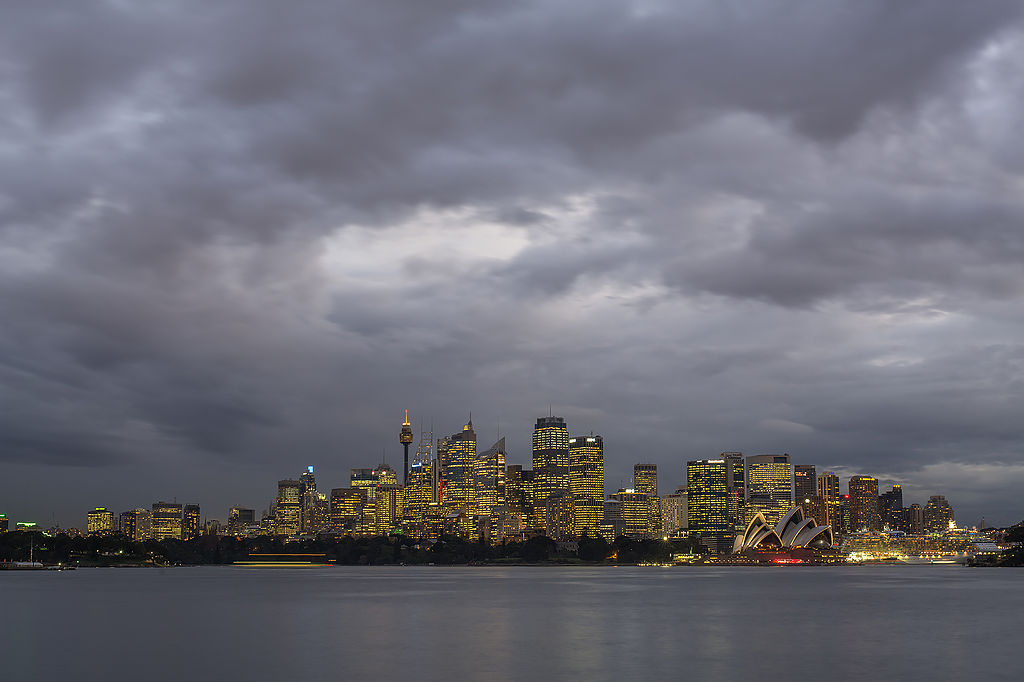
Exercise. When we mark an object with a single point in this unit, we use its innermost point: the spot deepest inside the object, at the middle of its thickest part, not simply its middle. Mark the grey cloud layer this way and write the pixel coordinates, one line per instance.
(710, 226)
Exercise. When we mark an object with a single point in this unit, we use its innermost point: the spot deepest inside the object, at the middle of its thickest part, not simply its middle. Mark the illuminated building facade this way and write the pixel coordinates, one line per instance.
(388, 507)
(814, 508)
(586, 483)
(805, 481)
(516, 496)
(735, 469)
(707, 486)
(4, 523)
(458, 461)
(347, 506)
(288, 510)
(769, 486)
(550, 459)
(937, 515)
(890, 509)
(645, 480)
(489, 476)
(367, 480)
(419, 494)
(166, 521)
(100, 521)
(191, 522)
(558, 516)
(673, 513)
(864, 504)
(828, 491)
(635, 512)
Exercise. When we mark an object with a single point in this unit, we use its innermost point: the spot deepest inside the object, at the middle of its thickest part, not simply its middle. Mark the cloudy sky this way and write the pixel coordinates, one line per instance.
(242, 237)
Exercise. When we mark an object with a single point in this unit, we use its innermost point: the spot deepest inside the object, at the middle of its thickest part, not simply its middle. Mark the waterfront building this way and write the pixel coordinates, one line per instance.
(890, 509)
(707, 485)
(645, 480)
(166, 521)
(191, 522)
(586, 483)
(915, 519)
(864, 504)
(793, 531)
(828, 491)
(100, 521)
(489, 477)
(457, 454)
(805, 482)
(347, 507)
(937, 515)
(288, 509)
(673, 513)
(550, 458)
(769, 486)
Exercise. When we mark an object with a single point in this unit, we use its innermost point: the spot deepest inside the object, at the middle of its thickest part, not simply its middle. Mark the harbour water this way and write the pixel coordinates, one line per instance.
(515, 623)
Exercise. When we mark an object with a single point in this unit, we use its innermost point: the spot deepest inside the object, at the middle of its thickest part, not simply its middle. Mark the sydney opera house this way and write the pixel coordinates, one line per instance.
(794, 539)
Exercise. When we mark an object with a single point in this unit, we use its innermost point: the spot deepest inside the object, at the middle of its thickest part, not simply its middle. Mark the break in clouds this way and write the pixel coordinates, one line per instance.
(239, 238)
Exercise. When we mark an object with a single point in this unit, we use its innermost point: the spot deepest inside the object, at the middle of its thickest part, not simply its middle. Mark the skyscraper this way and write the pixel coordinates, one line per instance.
(734, 468)
(915, 519)
(309, 498)
(804, 481)
(489, 477)
(645, 480)
(166, 521)
(136, 524)
(864, 504)
(240, 519)
(890, 509)
(769, 485)
(347, 506)
(828, 491)
(673, 512)
(586, 483)
(707, 486)
(937, 515)
(550, 458)
(191, 520)
(288, 510)
(636, 511)
(458, 456)
(516, 497)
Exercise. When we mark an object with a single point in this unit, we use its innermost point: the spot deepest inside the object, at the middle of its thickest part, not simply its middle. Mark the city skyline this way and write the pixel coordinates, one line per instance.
(234, 243)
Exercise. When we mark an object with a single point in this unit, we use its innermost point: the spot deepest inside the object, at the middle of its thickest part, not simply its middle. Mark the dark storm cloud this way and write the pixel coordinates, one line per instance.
(240, 238)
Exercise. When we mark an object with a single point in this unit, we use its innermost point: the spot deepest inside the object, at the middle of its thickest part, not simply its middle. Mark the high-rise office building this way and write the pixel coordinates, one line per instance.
(937, 515)
(136, 524)
(388, 507)
(313, 515)
(489, 476)
(100, 521)
(347, 507)
(645, 480)
(419, 494)
(288, 510)
(828, 491)
(586, 484)
(805, 481)
(915, 519)
(734, 469)
(515, 491)
(558, 509)
(673, 513)
(458, 456)
(240, 519)
(707, 486)
(166, 521)
(366, 480)
(635, 512)
(863, 504)
(4, 523)
(191, 522)
(890, 509)
(769, 486)
(550, 458)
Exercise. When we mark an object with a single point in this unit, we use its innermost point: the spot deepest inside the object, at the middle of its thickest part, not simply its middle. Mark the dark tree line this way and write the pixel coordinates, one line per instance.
(117, 550)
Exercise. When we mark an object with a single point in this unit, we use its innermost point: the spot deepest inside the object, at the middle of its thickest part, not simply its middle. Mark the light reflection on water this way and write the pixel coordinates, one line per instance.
(884, 622)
